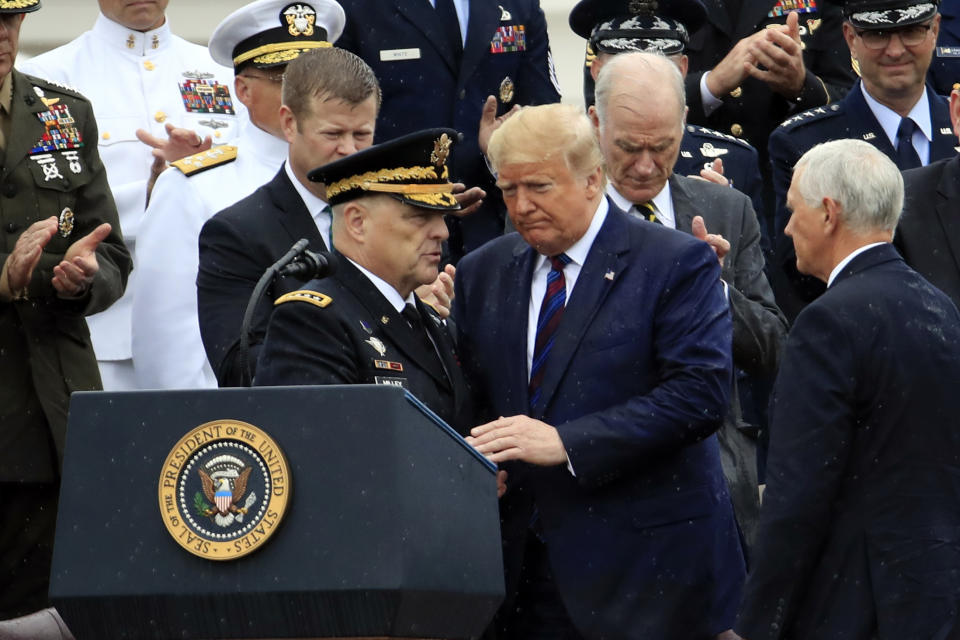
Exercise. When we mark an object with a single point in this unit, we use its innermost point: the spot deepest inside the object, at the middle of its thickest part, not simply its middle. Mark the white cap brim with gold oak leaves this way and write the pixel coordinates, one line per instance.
(412, 169)
(268, 33)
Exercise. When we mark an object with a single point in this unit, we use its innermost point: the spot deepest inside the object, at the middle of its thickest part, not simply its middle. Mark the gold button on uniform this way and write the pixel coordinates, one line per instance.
(736, 130)
(159, 116)
(149, 66)
(736, 93)
(216, 134)
(105, 135)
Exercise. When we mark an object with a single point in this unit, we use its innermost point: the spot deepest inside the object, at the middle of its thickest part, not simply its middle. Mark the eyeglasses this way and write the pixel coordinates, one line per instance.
(910, 36)
(269, 78)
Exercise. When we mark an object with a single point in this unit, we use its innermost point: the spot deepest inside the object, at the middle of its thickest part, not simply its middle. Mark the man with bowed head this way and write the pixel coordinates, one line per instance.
(640, 141)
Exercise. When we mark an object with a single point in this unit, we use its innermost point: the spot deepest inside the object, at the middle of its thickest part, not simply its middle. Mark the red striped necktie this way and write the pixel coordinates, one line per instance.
(551, 312)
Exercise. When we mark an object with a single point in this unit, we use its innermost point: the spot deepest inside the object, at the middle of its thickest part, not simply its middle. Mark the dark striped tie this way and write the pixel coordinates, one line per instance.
(907, 157)
(651, 212)
(551, 312)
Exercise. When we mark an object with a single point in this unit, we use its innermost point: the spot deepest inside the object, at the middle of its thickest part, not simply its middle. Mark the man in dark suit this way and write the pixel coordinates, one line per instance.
(329, 109)
(450, 56)
(365, 325)
(616, 515)
(892, 42)
(928, 236)
(639, 141)
(860, 526)
(62, 258)
(613, 28)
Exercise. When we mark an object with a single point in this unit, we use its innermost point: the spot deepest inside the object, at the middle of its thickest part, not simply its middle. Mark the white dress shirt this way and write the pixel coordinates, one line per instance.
(319, 209)
(890, 122)
(837, 269)
(538, 285)
(663, 202)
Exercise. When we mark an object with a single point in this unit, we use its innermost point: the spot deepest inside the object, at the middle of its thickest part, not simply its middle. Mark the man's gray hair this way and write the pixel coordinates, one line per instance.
(865, 182)
(640, 70)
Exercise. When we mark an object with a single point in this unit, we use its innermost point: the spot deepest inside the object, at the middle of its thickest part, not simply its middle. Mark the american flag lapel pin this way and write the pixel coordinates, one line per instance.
(608, 275)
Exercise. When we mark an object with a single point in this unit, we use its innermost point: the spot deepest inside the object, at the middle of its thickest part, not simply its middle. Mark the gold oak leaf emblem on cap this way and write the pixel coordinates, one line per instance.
(441, 149)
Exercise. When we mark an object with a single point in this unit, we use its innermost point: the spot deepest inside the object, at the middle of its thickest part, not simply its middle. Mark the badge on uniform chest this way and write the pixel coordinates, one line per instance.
(783, 7)
(201, 95)
(60, 131)
(396, 382)
(509, 39)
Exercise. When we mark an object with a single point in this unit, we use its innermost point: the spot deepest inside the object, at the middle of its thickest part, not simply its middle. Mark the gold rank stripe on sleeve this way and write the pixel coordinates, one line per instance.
(199, 162)
(305, 295)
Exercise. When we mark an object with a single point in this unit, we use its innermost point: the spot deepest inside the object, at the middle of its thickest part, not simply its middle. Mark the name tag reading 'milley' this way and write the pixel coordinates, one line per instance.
(389, 55)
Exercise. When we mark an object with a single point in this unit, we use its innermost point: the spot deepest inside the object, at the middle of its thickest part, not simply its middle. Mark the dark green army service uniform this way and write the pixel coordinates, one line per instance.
(50, 167)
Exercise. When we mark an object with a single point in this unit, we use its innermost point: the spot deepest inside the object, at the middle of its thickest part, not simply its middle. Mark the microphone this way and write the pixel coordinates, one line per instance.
(310, 264)
(299, 262)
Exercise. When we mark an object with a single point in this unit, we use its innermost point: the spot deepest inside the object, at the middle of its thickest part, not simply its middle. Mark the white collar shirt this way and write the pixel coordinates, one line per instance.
(541, 267)
(890, 122)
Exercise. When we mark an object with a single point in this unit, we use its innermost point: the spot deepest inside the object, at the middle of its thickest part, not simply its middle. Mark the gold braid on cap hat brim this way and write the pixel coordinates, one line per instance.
(383, 181)
(279, 51)
(17, 4)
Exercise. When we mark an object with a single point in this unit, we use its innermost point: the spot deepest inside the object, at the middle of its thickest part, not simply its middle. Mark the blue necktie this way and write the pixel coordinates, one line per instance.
(907, 157)
(551, 312)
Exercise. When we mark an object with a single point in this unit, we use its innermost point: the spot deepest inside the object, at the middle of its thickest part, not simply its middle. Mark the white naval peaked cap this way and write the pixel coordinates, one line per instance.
(275, 32)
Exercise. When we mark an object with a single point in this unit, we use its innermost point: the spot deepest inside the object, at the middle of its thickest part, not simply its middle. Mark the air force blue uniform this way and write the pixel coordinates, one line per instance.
(849, 118)
(700, 146)
(944, 71)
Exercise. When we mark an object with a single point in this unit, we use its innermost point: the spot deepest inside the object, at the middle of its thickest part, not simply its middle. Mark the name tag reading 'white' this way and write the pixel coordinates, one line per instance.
(389, 55)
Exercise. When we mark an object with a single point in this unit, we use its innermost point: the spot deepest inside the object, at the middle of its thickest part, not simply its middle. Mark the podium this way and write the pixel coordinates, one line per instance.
(385, 525)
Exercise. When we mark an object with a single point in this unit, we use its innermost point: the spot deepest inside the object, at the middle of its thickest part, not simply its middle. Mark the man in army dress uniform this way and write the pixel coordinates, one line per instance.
(890, 107)
(62, 258)
(168, 350)
(365, 325)
(155, 81)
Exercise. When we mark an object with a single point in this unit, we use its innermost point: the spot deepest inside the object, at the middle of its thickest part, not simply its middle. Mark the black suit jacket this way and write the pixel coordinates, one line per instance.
(928, 235)
(359, 338)
(860, 526)
(236, 246)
